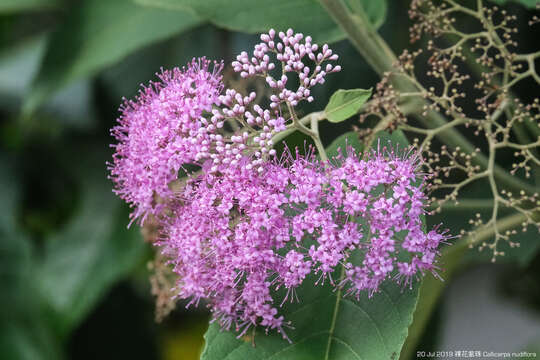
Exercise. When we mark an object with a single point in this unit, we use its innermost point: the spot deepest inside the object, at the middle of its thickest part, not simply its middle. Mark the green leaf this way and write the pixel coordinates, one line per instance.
(345, 103)
(348, 139)
(326, 324)
(24, 334)
(18, 64)
(91, 253)
(527, 3)
(14, 6)
(396, 139)
(306, 16)
(259, 16)
(15, 247)
(124, 78)
(375, 10)
(96, 35)
(9, 195)
(72, 106)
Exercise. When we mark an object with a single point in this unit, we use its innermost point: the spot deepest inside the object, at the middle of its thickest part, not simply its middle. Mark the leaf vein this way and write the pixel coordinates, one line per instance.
(355, 305)
(296, 343)
(349, 347)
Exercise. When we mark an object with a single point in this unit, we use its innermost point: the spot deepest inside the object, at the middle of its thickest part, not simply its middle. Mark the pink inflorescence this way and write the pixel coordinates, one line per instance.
(179, 120)
(292, 51)
(248, 223)
(234, 239)
(163, 129)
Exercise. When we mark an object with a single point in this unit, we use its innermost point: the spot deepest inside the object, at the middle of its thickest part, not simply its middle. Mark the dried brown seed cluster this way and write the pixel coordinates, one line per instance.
(470, 91)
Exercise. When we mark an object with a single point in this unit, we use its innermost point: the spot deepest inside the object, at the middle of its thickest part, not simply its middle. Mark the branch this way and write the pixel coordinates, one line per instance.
(381, 58)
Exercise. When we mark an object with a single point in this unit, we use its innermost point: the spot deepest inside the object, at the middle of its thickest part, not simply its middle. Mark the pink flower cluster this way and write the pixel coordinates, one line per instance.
(291, 50)
(233, 239)
(249, 223)
(163, 129)
(180, 120)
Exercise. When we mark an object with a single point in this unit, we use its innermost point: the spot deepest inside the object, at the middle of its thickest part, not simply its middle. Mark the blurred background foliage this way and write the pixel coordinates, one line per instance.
(73, 280)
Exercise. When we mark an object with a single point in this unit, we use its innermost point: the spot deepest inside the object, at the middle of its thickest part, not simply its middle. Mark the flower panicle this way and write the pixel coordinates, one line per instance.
(251, 224)
(238, 237)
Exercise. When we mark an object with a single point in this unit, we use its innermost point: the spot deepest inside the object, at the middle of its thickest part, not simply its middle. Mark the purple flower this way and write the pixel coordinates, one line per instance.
(180, 120)
(249, 223)
(236, 236)
(161, 130)
(291, 51)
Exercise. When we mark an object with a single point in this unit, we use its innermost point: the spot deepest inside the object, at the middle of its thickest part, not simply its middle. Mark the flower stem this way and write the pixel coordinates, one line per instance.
(313, 133)
(300, 125)
(317, 139)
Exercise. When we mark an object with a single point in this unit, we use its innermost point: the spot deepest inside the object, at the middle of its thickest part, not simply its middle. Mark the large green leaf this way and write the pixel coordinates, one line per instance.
(71, 106)
(97, 34)
(306, 16)
(249, 16)
(43, 299)
(9, 195)
(24, 334)
(396, 139)
(342, 142)
(375, 10)
(527, 3)
(13, 6)
(18, 64)
(92, 252)
(123, 79)
(345, 103)
(326, 324)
